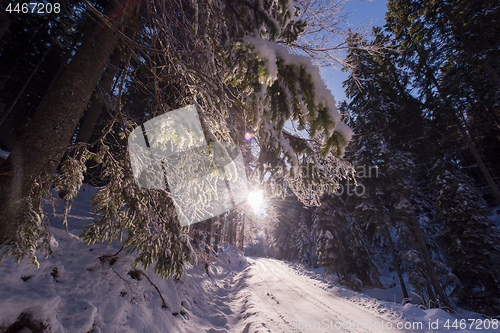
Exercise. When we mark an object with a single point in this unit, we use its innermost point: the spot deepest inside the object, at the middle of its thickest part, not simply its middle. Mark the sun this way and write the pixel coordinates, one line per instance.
(256, 200)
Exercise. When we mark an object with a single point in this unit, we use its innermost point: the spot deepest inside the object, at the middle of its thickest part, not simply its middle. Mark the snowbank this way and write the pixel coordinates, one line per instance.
(93, 289)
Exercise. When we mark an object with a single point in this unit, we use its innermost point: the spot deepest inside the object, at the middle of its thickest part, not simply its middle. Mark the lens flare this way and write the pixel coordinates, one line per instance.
(256, 200)
(248, 137)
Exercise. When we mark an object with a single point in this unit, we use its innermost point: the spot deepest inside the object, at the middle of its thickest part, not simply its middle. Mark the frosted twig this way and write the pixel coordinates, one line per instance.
(164, 305)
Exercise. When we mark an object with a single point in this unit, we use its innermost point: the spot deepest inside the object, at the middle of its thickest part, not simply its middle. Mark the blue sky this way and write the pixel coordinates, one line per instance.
(362, 13)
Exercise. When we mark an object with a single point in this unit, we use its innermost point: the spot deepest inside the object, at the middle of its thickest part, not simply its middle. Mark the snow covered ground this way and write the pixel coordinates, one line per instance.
(90, 289)
(4, 154)
(303, 298)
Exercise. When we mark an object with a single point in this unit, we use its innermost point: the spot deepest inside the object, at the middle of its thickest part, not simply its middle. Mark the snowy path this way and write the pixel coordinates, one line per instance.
(83, 289)
(272, 297)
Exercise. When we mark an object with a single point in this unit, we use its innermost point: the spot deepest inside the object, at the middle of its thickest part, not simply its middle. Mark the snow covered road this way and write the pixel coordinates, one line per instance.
(83, 289)
(281, 299)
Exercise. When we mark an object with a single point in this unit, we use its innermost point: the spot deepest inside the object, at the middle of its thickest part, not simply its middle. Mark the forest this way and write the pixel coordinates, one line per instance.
(403, 176)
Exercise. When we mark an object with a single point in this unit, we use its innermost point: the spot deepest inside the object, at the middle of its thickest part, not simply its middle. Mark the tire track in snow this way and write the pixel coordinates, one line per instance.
(278, 292)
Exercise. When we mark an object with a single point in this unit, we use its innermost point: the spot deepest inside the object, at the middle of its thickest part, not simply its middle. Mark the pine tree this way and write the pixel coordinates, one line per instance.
(341, 245)
(49, 132)
(384, 145)
(223, 57)
(305, 240)
(427, 47)
(399, 150)
(33, 52)
(471, 241)
(283, 232)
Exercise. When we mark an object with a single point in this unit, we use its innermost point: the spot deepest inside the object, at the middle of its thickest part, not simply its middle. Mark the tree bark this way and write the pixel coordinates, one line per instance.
(62, 66)
(97, 101)
(427, 261)
(208, 232)
(395, 260)
(242, 235)
(231, 232)
(431, 272)
(414, 245)
(55, 121)
(218, 230)
(347, 277)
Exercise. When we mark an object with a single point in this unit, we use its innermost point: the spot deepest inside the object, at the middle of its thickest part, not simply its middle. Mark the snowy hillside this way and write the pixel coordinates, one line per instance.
(94, 289)
(89, 289)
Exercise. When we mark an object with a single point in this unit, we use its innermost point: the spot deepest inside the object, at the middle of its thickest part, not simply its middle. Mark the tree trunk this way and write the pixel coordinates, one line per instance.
(208, 232)
(40, 33)
(54, 123)
(98, 99)
(415, 246)
(395, 260)
(230, 232)
(218, 230)
(235, 230)
(342, 261)
(62, 66)
(415, 114)
(428, 262)
(208, 243)
(482, 166)
(423, 248)
(470, 144)
(5, 79)
(242, 235)
(11, 129)
(391, 246)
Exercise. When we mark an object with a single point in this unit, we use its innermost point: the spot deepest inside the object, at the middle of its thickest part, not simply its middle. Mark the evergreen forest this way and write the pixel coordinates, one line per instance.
(402, 177)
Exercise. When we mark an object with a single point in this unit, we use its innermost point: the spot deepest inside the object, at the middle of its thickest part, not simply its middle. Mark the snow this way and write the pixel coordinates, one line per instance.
(270, 52)
(495, 216)
(92, 289)
(267, 50)
(4, 154)
(289, 152)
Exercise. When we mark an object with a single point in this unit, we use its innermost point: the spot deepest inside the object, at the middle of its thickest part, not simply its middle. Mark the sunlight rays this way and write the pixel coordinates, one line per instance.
(256, 200)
